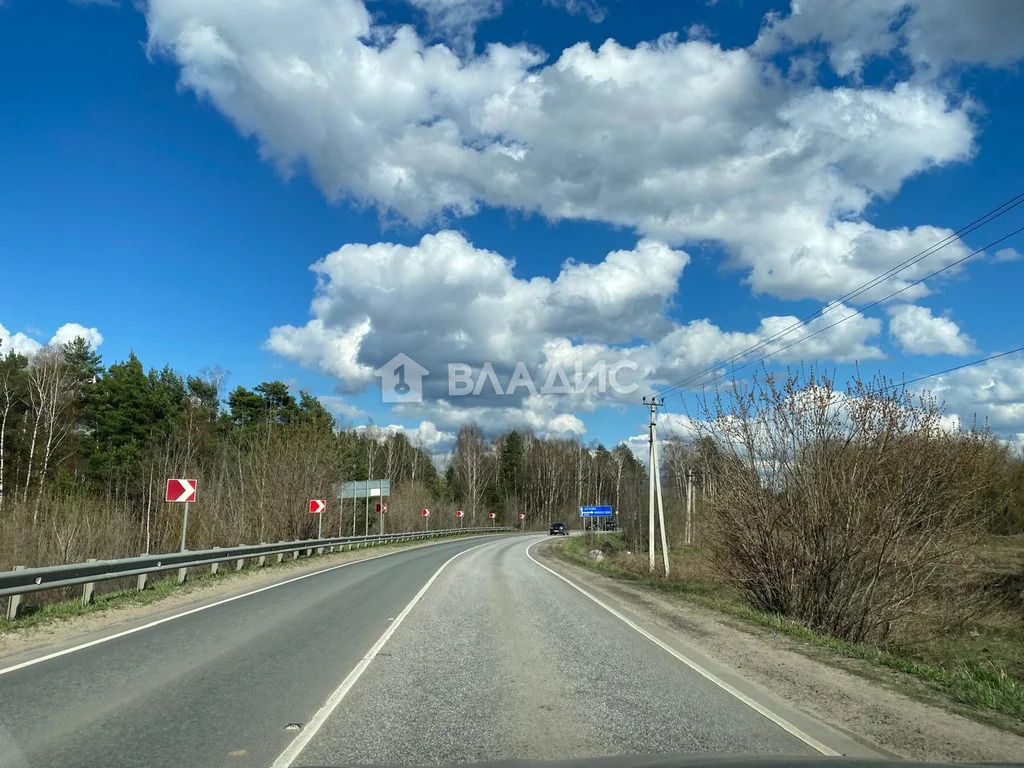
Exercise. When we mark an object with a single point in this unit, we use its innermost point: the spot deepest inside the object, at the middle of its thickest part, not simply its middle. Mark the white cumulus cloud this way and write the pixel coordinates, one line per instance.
(991, 393)
(931, 34)
(71, 331)
(26, 345)
(444, 301)
(919, 332)
(682, 141)
(456, 20)
(425, 435)
(17, 342)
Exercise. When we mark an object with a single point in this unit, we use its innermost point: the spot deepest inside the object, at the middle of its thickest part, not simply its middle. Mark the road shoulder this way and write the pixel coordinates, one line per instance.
(807, 679)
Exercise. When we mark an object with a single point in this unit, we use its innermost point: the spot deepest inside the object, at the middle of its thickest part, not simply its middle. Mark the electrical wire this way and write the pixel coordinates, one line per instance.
(950, 370)
(972, 226)
(855, 313)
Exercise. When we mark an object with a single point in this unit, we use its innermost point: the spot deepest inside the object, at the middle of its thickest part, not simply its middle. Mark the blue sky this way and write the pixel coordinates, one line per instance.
(171, 173)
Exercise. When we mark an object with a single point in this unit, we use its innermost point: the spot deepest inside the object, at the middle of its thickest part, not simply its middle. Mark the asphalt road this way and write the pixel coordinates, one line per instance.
(388, 661)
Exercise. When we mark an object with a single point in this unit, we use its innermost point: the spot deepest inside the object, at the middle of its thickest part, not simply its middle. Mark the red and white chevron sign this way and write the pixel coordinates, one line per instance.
(491, 515)
(425, 513)
(459, 513)
(317, 506)
(181, 490)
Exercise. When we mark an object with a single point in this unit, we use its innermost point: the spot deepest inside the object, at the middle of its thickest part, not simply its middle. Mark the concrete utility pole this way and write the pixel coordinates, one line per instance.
(688, 536)
(654, 487)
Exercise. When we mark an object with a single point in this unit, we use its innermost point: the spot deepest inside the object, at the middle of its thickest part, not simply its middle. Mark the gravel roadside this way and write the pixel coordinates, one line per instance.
(854, 696)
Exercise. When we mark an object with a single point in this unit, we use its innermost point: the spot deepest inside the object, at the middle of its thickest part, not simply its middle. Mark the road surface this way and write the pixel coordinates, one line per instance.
(461, 651)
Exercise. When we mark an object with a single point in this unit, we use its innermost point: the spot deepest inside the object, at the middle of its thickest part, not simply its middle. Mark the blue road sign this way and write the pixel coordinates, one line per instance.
(599, 511)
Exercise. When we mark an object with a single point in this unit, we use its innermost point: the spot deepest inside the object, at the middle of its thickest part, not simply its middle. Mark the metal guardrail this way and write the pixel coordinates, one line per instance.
(23, 581)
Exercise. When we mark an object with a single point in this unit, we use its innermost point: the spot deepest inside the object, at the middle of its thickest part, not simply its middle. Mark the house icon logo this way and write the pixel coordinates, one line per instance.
(401, 380)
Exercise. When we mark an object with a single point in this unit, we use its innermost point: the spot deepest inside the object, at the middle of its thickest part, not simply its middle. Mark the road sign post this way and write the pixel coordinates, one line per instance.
(363, 489)
(426, 519)
(460, 514)
(589, 514)
(318, 507)
(181, 491)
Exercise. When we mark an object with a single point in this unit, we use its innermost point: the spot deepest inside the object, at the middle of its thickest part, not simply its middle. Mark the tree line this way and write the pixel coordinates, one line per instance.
(86, 448)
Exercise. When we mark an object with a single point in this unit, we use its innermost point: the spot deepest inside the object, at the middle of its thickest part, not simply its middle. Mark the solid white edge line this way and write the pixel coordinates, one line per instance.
(292, 751)
(189, 612)
(780, 721)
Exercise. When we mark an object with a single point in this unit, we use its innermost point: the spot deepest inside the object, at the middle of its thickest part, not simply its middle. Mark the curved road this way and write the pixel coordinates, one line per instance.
(456, 652)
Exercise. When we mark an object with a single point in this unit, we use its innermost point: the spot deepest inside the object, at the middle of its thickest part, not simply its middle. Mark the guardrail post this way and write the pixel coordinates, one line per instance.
(140, 582)
(295, 555)
(214, 566)
(14, 601)
(262, 561)
(319, 550)
(182, 575)
(239, 563)
(89, 587)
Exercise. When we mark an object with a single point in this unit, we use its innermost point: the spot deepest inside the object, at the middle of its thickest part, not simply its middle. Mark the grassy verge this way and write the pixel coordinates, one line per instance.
(954, 667)
(35, 615)
(165, 586)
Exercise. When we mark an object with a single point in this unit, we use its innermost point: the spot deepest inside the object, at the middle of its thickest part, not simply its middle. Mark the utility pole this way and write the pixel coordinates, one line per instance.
(688, 537)
(654, 487)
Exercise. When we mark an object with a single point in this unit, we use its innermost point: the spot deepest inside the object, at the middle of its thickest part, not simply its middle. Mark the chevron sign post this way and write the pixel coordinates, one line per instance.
(318, 507)
(179, 490)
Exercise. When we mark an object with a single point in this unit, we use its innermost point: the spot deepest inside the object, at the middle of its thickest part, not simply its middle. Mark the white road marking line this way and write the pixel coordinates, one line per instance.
(292, 751)
(157, 622)
(780, 721)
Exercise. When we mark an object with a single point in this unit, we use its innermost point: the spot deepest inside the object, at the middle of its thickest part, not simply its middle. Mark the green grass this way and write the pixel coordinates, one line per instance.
(949, 666)
(34, 615)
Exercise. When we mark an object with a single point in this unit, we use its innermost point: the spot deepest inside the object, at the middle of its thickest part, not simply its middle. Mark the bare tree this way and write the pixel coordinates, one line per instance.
(473, 466)
(50, 393)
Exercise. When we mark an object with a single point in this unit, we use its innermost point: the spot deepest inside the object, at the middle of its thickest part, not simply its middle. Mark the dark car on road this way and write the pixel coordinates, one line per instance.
(559, 529)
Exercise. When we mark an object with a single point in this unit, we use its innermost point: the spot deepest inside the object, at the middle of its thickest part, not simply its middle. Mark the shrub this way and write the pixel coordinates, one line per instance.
(851, 511)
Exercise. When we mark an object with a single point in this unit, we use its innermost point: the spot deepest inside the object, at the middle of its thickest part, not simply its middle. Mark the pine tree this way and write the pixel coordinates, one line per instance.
(12, 410)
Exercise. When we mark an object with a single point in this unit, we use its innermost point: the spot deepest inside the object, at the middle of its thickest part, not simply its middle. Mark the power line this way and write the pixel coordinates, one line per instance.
(862, 310)
(951, 370)
(979, 222)
(995, 213)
